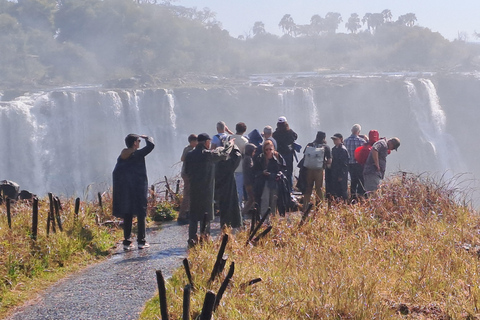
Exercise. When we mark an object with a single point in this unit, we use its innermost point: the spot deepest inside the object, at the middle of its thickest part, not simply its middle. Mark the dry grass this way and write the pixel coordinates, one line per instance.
(27, 266)
(408, 252)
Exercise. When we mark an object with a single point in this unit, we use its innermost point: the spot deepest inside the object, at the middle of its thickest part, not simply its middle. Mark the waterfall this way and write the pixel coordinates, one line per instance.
(170, 97)
(431, 121)
(66, 142)
(298, 105)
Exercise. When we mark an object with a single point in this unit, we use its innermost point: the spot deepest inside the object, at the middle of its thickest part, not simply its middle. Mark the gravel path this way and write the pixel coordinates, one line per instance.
(116, 288)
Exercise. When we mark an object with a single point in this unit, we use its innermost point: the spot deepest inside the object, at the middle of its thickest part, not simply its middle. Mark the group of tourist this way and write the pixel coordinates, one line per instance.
(230, 174)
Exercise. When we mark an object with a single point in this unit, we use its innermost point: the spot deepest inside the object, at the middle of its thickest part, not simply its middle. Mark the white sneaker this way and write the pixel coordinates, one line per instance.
(129, 247)
(143, 245)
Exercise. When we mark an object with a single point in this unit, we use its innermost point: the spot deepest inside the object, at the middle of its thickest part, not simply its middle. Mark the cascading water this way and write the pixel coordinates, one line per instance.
(67, 139)
(298, 105)
(431, 120)
(64, 141)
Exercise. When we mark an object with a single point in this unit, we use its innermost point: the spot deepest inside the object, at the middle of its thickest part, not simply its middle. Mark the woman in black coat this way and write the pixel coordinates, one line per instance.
(267, 167)
(130, 188)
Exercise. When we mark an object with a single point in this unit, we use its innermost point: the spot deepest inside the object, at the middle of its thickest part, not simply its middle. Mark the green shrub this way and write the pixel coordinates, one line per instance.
(165, 211)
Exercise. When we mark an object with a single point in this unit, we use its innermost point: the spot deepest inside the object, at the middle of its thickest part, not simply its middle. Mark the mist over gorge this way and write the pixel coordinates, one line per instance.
(64, 140)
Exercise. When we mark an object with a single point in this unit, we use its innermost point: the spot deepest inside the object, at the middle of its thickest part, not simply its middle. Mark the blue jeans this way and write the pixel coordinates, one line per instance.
(239, 183)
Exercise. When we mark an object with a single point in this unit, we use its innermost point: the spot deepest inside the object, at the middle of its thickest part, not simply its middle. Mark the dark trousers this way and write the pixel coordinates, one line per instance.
(356, 180)
(193, 226)
(127, 230)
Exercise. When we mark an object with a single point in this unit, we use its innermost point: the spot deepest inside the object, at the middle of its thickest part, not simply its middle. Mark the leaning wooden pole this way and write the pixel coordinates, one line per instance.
(257, 227)
(261, 235)
(162, 293)
(186, 265)
(56, 202)
(35, 218)
(224, 285)
(221, 251)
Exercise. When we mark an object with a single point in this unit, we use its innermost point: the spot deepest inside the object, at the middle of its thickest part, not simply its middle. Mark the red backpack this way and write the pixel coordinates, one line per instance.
(361, 153)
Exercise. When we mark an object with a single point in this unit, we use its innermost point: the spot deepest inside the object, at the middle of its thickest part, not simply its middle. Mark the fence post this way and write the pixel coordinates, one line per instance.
(189, 274)
(9, 215)
(51, 215)
(77, 208)
(100, 204)
(162, 294)
(56, 202)
(224, 285)
(186, 302)
(208, 306)
(178, 187)
(257, 227)
(35, 218)
(221, 251)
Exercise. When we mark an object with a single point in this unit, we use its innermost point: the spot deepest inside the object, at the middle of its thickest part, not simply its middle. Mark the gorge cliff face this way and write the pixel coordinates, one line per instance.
(64, 140)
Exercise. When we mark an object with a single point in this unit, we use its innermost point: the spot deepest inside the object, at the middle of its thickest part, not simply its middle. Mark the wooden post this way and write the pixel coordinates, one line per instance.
(9, 215)
(178, 187)
(258, 226)
(56, 202)
(189, 274)
(249, 283)
(224, 285)
(100, 204)
(221, 251)
(208, 304)
(50, 215)
(186, 302)
(261, 235)
(35, 218)
(77, 208)
(162, 294)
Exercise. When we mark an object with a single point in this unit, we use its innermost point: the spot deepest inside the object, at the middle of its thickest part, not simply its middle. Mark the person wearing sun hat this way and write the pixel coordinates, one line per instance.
(339, 169)
(376, 164)
(285, 138)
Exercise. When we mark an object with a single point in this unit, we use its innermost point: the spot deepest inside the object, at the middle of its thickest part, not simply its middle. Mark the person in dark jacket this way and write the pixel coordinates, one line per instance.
(267, 167)
(285, 138)
(130, 188)
(227, 189)
(248, 177)
(200, 169)
(339, 169)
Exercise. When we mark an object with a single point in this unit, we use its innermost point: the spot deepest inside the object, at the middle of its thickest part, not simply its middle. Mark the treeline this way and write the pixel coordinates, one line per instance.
(55, 42)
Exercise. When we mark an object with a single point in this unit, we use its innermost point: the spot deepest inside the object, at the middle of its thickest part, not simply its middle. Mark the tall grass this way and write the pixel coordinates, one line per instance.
(27, 265)
(409, 251)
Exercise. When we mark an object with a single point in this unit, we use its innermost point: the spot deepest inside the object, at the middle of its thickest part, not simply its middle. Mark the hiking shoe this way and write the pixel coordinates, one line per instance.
(128, 247)
(143, 245)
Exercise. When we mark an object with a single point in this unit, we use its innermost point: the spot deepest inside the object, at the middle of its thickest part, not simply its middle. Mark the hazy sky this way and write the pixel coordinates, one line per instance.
(445, 16)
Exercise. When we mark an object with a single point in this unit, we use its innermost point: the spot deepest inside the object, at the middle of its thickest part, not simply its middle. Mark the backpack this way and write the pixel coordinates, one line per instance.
(361, 153)
(222, 139)
(314, 157)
